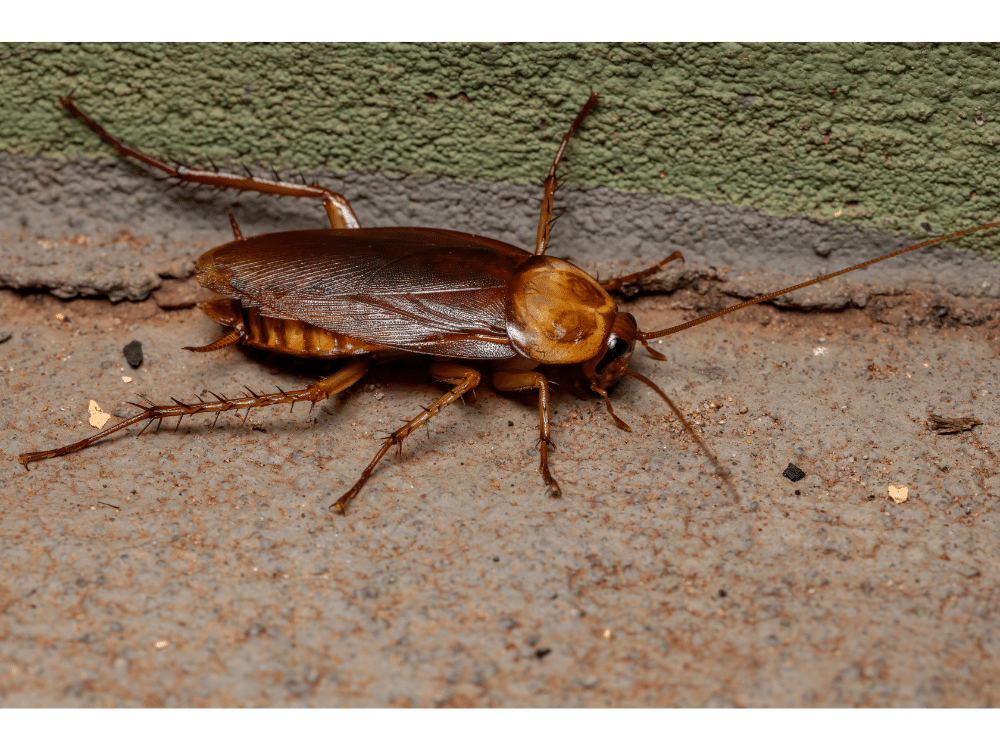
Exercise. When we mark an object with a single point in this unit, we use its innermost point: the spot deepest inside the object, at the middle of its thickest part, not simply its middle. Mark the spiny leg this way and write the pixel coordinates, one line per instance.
(548, 199)
(237, 234)
(463, 378)
(618, 282)
(347, 376)
(338, 210)
(529, 380)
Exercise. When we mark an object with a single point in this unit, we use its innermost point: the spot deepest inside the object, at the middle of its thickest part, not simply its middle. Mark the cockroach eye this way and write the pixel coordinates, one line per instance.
(617, 348)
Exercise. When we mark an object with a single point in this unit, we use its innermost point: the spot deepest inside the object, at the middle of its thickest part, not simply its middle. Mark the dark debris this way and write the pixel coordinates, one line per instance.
(793, 472)
(133, 353)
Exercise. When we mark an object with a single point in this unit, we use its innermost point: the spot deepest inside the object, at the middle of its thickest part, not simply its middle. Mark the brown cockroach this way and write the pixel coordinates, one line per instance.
(364, 294)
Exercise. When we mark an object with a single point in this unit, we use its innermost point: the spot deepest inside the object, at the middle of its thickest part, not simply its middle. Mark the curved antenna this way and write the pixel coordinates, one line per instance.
(719, 471)
(765, 297)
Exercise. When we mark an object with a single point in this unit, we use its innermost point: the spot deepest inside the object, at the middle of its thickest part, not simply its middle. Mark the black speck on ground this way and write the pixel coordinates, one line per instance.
(133, 353)
(793, 472)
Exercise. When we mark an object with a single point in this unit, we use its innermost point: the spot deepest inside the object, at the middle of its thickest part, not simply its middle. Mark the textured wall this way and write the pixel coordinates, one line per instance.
(880, 135)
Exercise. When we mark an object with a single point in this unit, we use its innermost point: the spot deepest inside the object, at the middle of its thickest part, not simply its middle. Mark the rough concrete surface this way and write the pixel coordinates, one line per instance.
(108, 228)
(203, 568)
(878, 135)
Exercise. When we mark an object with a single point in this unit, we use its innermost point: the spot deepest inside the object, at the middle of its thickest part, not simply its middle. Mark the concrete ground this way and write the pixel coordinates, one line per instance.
(203, 569)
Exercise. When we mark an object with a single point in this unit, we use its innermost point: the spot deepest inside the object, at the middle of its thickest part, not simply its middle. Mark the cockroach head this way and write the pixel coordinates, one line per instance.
(611, 362)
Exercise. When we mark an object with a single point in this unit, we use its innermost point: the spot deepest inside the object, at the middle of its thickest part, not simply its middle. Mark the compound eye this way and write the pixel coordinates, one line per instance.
(617, 348)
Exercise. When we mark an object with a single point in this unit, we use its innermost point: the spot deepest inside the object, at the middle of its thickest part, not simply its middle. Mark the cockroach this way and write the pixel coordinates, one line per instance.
(367, 294)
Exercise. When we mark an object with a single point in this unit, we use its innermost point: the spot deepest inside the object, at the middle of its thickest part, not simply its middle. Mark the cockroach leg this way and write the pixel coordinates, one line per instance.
(338, 210)
(652, 352)
(227, 312)
(607, 401)
(618, 282)
(347, 376)
(529, 380)
(232, 337)
(237, 234)
(548, 200)
(462, 377)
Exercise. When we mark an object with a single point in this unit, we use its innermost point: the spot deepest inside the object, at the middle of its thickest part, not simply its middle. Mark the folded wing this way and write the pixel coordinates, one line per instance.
(420, 290)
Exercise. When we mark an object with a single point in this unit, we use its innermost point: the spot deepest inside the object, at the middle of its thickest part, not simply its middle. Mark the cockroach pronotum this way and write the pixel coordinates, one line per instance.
(366, 294)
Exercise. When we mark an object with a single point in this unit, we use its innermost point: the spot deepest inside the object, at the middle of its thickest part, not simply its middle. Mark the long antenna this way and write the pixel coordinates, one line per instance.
(764, 298)
(719, 471)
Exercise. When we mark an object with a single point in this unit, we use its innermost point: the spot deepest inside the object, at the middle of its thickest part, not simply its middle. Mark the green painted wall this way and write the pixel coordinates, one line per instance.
(884, 135)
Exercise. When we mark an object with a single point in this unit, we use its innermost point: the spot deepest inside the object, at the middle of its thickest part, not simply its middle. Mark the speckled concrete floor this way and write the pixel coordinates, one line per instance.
(203, 569)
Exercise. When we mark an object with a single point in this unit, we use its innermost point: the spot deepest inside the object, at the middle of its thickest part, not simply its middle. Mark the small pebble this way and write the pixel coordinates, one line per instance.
(133, 353)
(793, 472)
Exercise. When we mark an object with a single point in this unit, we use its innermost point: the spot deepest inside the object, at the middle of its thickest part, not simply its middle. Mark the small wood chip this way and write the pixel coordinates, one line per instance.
(898, 494)
(98, 417)
(949, 426)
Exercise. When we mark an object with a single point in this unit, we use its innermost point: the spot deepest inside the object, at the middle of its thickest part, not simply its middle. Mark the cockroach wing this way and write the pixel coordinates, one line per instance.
(421, 290)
